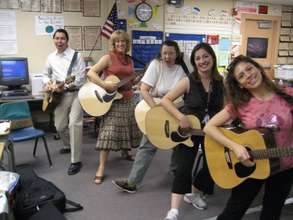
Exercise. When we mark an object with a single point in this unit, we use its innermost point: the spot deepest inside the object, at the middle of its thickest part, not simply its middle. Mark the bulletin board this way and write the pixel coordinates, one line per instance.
(186, 42)
(145, 46)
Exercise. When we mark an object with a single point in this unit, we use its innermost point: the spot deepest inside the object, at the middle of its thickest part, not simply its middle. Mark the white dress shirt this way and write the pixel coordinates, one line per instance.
(57, 65)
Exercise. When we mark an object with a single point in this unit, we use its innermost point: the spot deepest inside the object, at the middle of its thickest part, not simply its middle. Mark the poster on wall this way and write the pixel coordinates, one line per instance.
(8, 43)
(47, 25)
(145, 46)
(186, 42)
(75, 33)
(92, 38)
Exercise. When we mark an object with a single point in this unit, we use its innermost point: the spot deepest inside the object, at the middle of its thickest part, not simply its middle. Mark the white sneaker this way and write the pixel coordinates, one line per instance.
(196, 199)
(172, 215)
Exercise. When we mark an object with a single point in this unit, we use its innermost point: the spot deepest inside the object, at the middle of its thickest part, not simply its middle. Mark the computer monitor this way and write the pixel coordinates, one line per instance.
(14, 72)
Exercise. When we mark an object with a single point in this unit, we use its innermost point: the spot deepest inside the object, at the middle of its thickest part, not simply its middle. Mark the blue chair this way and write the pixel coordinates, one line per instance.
(22, 128)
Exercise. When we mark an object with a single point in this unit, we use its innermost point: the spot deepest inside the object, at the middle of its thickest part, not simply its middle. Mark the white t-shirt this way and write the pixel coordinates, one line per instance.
(161, 77)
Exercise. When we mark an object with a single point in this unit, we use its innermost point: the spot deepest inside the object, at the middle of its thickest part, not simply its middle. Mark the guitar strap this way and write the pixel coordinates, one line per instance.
(72, 63)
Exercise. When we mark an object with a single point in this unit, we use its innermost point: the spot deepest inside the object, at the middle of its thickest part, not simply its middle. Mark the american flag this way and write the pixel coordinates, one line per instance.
(111, 23)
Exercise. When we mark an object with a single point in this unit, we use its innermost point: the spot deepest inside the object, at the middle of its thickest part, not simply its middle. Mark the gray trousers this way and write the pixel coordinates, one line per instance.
(68, 122)
(143, 158)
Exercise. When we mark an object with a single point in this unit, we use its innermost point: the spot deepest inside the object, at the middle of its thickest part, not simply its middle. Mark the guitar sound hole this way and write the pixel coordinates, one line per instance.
(108, 97)
(175, 137)
(243, 171)
(98, 96)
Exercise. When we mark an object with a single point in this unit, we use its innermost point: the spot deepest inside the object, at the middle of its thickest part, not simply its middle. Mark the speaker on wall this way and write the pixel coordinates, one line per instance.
(176, 3)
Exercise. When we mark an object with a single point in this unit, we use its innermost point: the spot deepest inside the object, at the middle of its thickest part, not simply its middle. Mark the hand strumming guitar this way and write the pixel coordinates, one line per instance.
(59, 87)
(110, 86)
(242, 155)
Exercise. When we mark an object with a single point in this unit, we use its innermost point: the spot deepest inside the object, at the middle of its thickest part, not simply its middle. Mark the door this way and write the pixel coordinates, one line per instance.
(260, 39)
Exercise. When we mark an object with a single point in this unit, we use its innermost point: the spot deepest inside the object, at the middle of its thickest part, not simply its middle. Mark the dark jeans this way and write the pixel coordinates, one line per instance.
(277, 188)
(202, 179)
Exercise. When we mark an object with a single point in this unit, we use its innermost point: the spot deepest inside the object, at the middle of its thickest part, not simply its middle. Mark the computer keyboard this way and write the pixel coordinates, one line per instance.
(15, 94)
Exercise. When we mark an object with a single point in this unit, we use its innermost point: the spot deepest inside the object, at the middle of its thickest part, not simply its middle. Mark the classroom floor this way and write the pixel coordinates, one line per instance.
(104, 202)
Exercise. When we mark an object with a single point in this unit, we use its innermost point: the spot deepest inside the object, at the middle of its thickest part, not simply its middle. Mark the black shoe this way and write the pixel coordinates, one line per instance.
(124, 186)
(64, 151)
(74, 168)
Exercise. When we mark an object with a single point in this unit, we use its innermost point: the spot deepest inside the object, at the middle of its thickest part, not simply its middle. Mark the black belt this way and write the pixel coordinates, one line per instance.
(71, 90)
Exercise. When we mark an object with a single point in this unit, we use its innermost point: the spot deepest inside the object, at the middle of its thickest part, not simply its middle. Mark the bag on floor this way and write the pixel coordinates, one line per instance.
(48, 212)
(35, 192)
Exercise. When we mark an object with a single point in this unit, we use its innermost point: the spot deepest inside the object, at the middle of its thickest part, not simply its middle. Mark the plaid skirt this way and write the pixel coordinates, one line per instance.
(118, 128)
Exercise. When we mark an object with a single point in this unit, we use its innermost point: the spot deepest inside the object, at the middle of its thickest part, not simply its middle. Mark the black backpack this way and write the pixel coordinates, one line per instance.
(35, 192)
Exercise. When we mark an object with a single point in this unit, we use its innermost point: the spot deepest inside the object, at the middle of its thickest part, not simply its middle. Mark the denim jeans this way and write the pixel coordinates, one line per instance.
(143, 158)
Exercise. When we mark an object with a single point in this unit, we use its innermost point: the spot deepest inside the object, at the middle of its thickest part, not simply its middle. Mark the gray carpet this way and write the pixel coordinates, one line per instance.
(104, 202)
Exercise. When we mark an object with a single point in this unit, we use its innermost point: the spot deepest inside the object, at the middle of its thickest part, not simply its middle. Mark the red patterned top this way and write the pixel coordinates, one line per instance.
(121, 67)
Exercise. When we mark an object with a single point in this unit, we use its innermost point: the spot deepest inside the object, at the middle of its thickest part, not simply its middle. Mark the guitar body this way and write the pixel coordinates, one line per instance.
(142, 108)
(51, 100)
(162, 129)
(140, 112)
(224, 167)
(95, 100)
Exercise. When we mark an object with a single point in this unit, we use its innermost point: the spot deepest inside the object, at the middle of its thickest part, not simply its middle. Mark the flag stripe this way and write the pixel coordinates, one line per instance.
(111, 23)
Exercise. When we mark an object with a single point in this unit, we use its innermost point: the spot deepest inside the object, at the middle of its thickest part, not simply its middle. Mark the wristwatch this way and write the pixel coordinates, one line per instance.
(143, 12)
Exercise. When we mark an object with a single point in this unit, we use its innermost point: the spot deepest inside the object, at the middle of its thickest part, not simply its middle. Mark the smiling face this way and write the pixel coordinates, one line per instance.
(248, 75)
(168, 54)
(120, 45)
(203, 61)
(60, 41)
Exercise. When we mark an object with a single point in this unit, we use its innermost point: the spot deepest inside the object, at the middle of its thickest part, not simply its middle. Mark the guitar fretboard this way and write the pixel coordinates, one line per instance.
(271, 153)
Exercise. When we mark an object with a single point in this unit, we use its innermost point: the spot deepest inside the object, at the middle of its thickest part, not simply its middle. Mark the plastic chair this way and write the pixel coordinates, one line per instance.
(22, 128)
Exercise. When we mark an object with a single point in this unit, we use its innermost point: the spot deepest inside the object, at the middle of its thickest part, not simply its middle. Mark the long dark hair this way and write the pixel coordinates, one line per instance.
(215, 73)
(238, 95)
(174, 44)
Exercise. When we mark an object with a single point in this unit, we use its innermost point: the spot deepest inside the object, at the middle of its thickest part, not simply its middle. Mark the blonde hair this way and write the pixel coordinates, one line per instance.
(119, 35)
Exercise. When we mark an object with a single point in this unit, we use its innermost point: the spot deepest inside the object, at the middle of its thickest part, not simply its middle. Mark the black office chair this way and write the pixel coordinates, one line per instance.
(22, 128)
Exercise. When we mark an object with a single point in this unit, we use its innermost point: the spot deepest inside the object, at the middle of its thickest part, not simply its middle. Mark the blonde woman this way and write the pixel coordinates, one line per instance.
(118, 130)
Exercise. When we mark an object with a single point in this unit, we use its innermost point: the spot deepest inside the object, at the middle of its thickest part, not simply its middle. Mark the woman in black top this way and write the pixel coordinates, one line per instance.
(203, 97)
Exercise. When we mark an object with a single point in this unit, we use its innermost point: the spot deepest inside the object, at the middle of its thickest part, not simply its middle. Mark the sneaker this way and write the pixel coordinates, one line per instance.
(172, 215)
(196, 199)
(124, 186)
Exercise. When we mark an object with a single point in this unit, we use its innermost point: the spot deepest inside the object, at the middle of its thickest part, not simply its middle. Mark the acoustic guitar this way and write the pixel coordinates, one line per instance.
(227, 171)
(142, 108)
(52, 98)
(163, 131)
(95, 100)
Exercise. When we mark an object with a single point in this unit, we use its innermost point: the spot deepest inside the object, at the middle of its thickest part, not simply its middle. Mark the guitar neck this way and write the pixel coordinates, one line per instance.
(197, 132)
(125, 80)
(191, 131)
(271, 153)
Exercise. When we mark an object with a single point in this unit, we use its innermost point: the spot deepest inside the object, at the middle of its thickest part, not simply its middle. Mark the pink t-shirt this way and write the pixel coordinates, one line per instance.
(276, 112)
